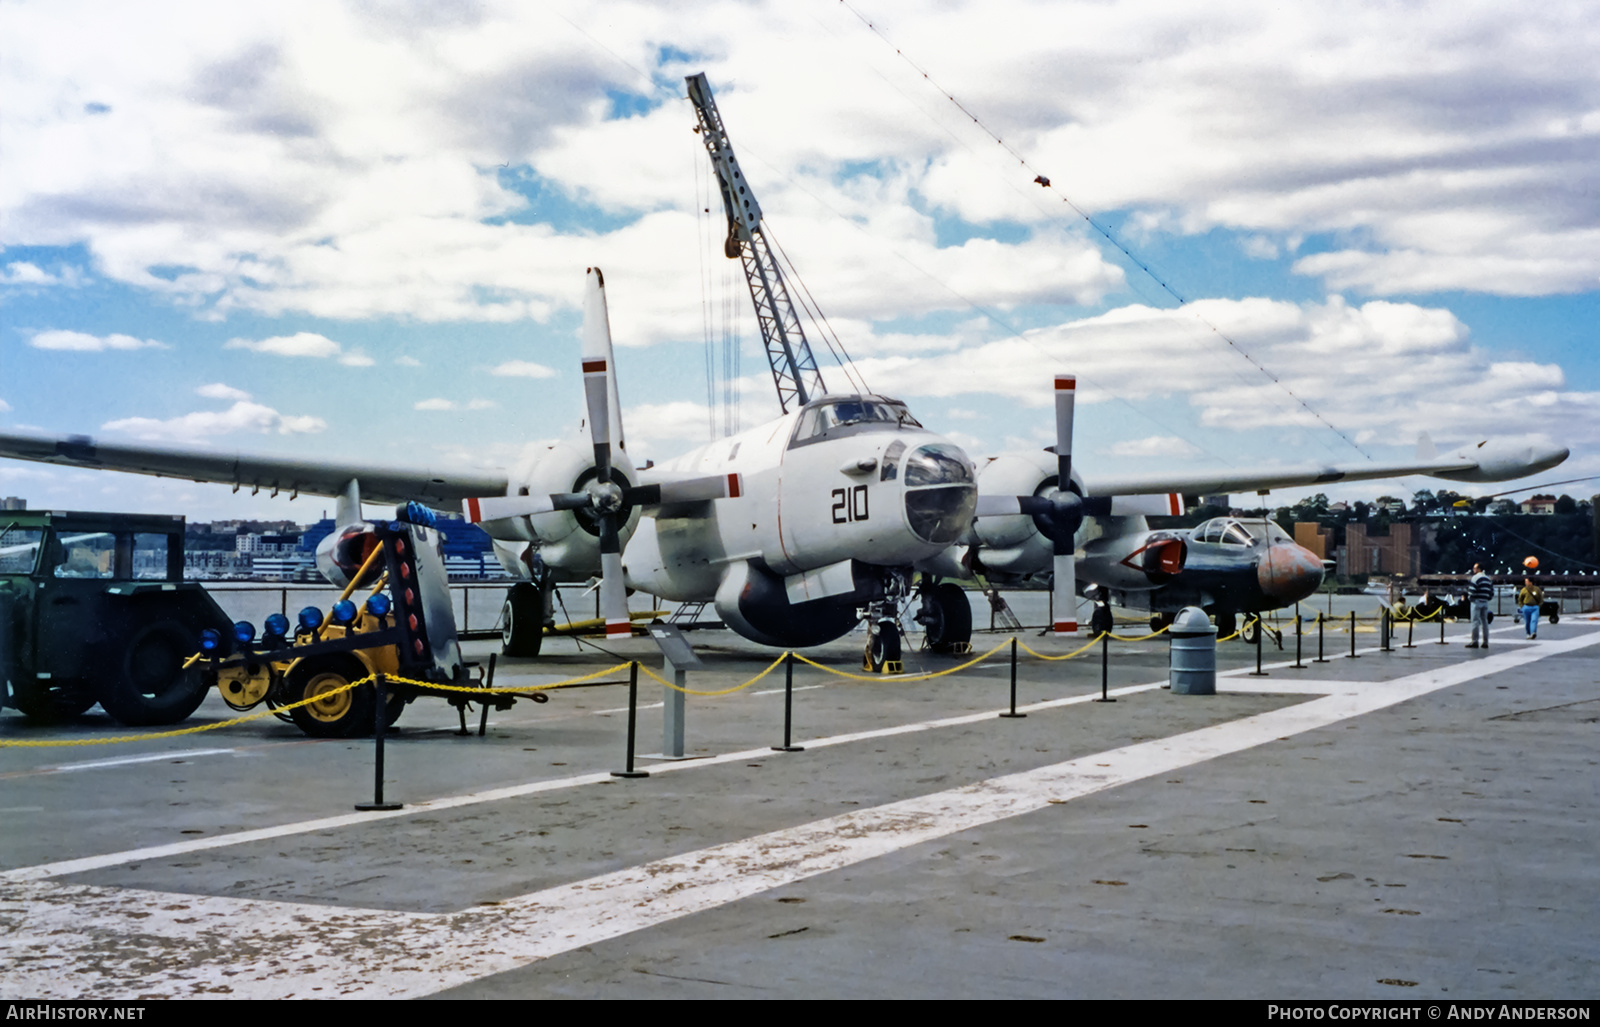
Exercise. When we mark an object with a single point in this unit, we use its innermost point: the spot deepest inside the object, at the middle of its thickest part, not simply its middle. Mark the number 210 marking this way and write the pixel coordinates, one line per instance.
(850, 504)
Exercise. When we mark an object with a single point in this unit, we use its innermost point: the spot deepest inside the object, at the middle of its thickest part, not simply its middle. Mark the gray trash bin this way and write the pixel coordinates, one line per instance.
(1194, 653)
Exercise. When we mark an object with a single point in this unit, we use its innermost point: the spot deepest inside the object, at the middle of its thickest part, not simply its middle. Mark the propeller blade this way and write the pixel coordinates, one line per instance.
(1065, 596)
(1066, 393)
(689, 490)
(596, 357)
(614, 596)
(492, 508)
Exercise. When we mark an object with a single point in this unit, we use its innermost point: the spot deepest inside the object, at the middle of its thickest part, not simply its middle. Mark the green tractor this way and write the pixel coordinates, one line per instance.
(93, 609)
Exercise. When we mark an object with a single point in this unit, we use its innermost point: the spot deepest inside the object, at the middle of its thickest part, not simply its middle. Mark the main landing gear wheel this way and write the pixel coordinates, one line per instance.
(1251, 632)
(1162, 620)
(1227, 624)
(883, 648)
(149, 685)
(522, 621)
(334, 713)
(946, 618)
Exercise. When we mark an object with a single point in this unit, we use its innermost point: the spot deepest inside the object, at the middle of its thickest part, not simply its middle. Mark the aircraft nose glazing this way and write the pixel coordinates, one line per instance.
(1288, 573)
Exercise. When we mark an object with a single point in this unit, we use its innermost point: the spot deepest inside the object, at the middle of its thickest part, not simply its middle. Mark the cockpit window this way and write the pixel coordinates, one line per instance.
(937, 464)
(891, 461)
(1235, 535)
(820, 420)
(1229, 532)
(1268, 530)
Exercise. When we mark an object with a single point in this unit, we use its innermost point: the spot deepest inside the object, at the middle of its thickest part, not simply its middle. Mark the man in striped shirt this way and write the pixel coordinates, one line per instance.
(1480, 589)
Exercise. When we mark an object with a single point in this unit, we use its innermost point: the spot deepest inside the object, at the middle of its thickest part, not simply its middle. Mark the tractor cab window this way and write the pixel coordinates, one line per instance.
(149, 557)
(85, 555)
(19, 549)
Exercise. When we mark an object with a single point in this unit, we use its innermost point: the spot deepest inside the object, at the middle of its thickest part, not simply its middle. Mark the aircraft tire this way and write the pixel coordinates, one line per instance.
(1251, 632)
(885, 646)
(149, 685)
(949, 625)
(522, 621)
(1161, 620)
(1227, 624)
(346, 714)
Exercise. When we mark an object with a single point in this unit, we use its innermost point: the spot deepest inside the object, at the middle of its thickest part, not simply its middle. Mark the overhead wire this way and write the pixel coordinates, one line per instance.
(1044, 180)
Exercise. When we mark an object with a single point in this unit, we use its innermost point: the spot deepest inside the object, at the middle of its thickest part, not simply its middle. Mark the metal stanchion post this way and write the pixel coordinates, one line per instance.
(1013, 712)
(483, 714)
(1353, 655)
(633, 709)
(1299, 633)
(380, 720)
(1105, 647)
(1383, 631)
(1441, 628)
(1261, 629)
(1411, 625)
(1320, 658)
(788, 706)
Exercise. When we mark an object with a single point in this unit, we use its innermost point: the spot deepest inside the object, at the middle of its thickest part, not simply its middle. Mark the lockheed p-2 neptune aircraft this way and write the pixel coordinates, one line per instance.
(796, 531)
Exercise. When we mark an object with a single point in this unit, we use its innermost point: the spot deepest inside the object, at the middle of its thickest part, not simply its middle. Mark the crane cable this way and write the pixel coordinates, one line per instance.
(1044, 180)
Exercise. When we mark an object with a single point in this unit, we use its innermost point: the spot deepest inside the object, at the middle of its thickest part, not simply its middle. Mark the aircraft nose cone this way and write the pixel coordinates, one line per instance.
(1288, 573)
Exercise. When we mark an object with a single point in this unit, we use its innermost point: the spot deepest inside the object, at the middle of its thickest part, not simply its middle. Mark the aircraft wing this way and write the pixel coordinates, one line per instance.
(379, 484)
(1228, 481)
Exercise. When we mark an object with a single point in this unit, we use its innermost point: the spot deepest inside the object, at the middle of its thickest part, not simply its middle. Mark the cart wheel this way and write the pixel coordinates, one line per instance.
(334, 713)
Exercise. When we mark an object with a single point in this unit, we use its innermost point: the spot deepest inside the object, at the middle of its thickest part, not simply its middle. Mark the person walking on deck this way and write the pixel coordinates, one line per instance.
(1529, 598)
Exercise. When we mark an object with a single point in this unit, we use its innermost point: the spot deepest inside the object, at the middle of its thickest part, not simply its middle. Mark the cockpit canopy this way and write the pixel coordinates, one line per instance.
(832, 417)
(1230, 531)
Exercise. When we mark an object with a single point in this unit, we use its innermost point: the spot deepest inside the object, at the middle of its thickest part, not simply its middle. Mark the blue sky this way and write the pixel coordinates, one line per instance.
(362, 234)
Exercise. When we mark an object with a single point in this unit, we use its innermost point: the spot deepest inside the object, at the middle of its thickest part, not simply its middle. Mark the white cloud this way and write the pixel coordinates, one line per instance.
(84, 343)
(1154, 445)
(523, 369)
(4, 406)
(405, 361)
(436, 403)
(481, 404)
(1381, 371)
(217, 390)
(243, 416)
(25, 273)
(300, 344)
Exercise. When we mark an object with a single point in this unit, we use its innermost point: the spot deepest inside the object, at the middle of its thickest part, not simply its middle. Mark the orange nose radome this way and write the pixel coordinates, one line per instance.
(1288, 573)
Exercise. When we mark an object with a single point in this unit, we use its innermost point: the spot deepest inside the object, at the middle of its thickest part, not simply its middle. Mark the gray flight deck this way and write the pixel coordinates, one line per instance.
(1415, 824)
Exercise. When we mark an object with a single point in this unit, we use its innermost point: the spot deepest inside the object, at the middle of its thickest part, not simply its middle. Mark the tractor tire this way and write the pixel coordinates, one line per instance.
(51, 702)
(149, 685)
(343, 714)
(947, 619)
(522, 621)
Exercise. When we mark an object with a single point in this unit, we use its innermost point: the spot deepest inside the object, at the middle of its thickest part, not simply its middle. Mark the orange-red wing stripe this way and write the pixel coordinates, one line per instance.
(733, 486)
(1066, 382)
(473, 513)
(594, 367)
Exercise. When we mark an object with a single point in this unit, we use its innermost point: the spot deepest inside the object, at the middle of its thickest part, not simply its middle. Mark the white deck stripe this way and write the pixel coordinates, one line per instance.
(174, 756)
(161, 944)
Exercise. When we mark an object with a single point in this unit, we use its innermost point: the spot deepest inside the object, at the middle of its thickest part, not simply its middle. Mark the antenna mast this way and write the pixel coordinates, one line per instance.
(794, 369)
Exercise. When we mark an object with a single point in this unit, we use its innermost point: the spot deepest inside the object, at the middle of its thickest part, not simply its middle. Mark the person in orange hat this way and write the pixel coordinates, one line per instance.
(1529, 599)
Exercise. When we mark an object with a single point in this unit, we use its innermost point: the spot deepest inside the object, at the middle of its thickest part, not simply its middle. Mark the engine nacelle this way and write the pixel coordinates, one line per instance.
(1134, 562)
(341, 554)
(564, 539)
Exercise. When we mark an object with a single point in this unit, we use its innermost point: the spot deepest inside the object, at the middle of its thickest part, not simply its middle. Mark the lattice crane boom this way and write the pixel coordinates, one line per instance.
(794, 369)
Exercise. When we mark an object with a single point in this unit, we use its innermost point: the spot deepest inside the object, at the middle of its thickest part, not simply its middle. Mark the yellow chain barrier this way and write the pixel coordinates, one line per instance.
(568, 682)
(726, 691)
